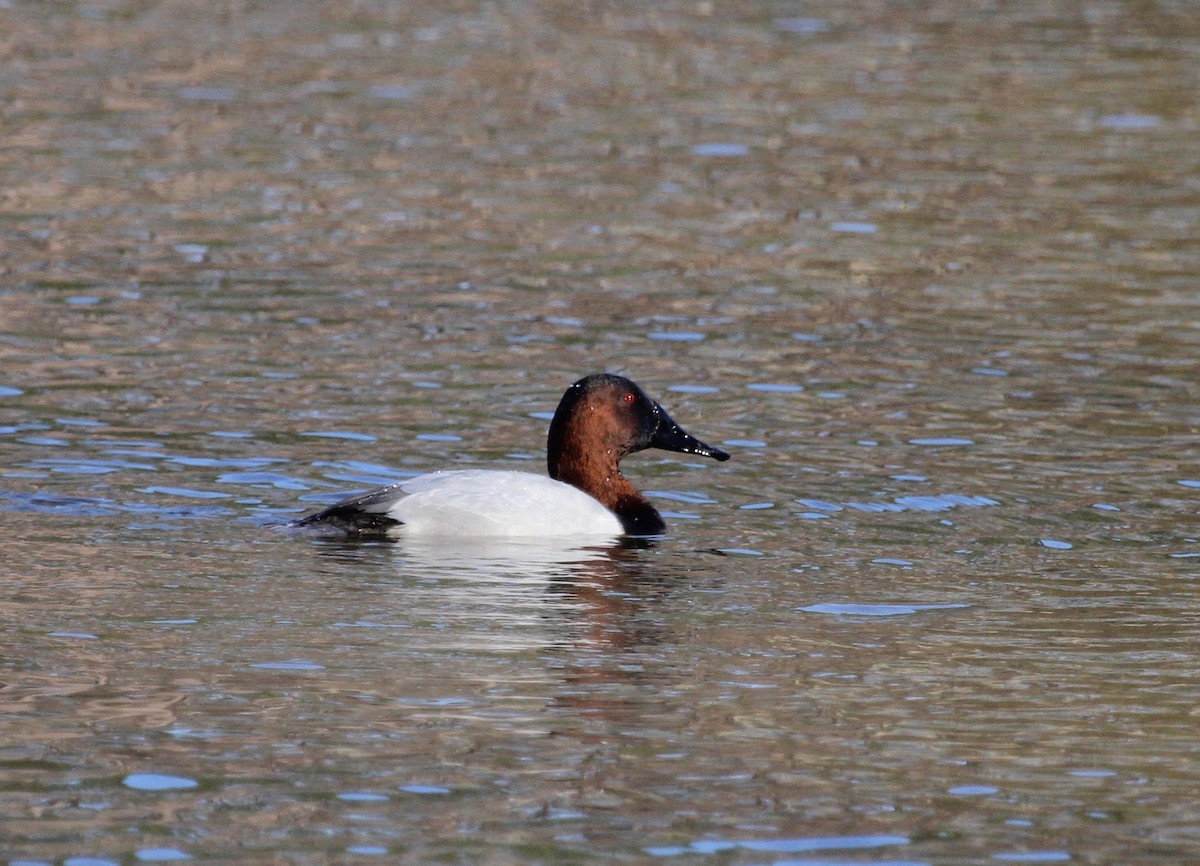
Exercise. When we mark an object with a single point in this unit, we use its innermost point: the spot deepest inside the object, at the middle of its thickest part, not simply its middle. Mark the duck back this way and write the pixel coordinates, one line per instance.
(474, 503)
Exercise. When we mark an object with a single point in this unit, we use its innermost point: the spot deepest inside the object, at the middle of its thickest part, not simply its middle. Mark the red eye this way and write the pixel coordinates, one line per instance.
(631, 397)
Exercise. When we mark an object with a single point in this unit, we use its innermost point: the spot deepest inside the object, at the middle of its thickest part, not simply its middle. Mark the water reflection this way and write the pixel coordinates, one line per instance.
(788, 846)
(507, 595)
(933, 266)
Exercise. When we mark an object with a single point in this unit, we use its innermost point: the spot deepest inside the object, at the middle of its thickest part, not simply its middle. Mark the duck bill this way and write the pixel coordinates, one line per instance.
(669, 436)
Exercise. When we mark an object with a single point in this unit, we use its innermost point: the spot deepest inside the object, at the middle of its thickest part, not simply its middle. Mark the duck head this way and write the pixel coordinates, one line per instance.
(604, 417)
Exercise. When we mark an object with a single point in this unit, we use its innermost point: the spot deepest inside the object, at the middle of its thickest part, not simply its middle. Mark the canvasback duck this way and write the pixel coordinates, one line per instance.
(600, 419)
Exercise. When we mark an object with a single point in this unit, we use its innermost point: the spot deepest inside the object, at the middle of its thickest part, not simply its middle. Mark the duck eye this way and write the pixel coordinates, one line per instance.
(630, 397)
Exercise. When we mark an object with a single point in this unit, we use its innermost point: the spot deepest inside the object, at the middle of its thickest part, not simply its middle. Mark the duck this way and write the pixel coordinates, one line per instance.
(600, 420)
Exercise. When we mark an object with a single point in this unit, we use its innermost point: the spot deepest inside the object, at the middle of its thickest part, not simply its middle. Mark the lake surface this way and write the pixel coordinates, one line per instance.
(928, 271)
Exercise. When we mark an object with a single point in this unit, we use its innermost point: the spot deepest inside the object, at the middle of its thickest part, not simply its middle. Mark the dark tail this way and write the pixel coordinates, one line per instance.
(349, 519)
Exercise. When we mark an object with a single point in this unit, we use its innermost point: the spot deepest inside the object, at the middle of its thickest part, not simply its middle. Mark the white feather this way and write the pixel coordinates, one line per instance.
(488, 503)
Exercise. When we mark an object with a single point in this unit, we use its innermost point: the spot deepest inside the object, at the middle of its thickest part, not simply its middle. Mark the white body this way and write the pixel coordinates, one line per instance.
(494, 504)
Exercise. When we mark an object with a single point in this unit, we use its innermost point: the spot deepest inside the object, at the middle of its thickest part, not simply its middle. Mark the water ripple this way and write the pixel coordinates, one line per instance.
(854, 609)
(930, 503)
(780, 846)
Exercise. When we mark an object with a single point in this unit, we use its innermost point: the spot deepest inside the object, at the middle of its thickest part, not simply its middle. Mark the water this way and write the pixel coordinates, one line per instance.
(929, 273)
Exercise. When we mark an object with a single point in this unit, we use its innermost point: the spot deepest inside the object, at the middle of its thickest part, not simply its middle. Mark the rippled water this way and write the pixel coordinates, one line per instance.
(928, 272)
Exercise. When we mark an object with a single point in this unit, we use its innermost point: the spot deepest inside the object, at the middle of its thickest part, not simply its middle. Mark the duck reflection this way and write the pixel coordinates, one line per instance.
(512, 595)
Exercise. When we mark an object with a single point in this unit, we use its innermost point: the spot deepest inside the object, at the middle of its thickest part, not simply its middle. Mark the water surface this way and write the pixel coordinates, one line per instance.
(928, 273)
